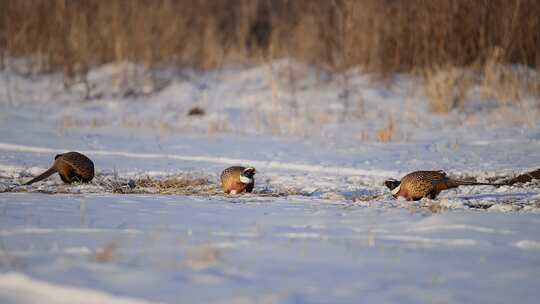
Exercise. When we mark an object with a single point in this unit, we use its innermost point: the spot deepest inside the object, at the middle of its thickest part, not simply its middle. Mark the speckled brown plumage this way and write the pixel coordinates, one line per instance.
(230, 180)
(71, 166)
(420, 184)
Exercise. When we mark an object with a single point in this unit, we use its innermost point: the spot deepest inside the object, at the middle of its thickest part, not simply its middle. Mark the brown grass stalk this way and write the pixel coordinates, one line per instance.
(380, 35)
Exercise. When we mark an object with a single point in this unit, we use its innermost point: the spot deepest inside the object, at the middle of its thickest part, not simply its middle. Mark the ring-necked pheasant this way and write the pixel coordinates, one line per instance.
(238, 179)
(416, 185)
(71, 166)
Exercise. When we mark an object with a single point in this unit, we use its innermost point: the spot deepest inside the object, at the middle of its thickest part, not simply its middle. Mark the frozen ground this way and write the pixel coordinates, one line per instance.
(333, 235)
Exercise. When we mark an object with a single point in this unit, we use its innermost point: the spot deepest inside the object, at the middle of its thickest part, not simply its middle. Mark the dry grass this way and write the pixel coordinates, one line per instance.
(164, 185)
(446, 88)
(184, 185)
(66, 122)
(107, 253)
(388, 133)
(380, 35)
(504, 83)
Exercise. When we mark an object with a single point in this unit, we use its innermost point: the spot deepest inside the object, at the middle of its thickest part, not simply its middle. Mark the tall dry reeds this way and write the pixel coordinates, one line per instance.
(382, 36)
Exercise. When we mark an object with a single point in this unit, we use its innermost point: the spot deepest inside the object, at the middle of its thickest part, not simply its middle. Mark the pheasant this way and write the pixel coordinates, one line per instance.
(419, 184)
(71, 166)
(238, 179)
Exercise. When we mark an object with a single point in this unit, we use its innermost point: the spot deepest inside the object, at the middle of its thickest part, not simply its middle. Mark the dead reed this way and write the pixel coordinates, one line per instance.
(387, 133)
(382, 36)
(107, 254)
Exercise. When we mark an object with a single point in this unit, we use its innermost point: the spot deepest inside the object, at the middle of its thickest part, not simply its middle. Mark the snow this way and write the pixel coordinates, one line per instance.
(18, 288)
(528, 245)
(320, 226)
(248, 249)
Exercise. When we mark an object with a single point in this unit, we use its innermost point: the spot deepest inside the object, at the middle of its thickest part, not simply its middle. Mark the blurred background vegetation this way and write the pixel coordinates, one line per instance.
(381, 36)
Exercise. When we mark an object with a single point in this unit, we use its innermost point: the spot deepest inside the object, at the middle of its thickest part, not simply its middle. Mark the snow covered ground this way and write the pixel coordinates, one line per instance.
(245, 250)
(332, 235)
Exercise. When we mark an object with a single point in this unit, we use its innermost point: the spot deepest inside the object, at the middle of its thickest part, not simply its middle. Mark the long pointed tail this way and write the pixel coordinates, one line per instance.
(43, 175)
(457, 183)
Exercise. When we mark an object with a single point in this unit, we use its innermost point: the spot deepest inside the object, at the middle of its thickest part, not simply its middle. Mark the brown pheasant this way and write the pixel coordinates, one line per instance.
(71, 166)
(417, 185)
(238, 179)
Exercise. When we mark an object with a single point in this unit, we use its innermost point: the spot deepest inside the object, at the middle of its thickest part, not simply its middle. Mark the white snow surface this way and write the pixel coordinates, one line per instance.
(341, 239)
